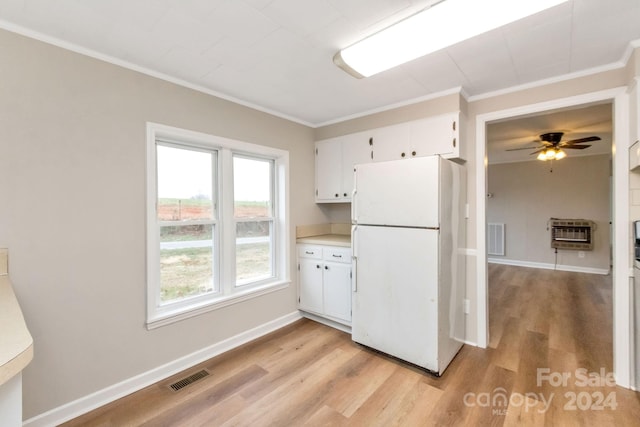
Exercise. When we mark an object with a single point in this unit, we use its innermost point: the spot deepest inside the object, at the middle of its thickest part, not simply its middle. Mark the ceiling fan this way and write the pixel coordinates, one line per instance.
(552, 145)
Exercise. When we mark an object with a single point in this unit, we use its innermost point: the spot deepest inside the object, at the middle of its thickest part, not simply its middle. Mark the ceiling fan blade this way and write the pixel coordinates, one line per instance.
(576, 147)
(578, 141)
(522, 148)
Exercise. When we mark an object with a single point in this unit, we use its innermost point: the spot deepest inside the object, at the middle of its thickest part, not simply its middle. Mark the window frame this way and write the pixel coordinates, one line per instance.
(228, 292)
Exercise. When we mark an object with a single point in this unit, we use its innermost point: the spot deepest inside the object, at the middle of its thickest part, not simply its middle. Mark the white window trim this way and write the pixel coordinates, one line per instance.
(159, 316)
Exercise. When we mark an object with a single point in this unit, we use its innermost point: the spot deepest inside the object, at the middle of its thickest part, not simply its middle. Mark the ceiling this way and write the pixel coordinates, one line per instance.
(276, 55)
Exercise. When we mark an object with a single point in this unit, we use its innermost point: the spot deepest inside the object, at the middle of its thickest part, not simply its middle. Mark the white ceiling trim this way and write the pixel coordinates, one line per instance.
(133, 67)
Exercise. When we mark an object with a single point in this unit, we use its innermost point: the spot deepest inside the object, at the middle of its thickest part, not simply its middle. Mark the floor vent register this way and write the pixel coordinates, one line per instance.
(189, 380)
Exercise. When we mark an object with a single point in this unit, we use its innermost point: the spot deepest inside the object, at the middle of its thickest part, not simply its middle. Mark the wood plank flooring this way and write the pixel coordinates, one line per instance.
(308, 374)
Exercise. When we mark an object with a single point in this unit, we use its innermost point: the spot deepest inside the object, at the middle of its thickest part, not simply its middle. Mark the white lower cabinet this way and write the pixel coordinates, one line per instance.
(324, 280)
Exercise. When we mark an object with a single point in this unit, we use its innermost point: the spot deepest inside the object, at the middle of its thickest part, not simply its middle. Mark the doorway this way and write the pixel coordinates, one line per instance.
(620, 203)
(546, 279)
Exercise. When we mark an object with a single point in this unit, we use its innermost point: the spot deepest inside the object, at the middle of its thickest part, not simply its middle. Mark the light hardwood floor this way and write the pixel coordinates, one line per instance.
(312, 375)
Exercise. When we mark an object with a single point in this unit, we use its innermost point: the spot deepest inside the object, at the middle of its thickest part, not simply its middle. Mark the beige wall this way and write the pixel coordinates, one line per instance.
(526, 194)
(72, 213)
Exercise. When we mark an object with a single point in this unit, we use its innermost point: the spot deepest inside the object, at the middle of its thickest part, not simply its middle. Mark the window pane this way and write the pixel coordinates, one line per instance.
(254, 255)
(184, 184)
(252, 184)
(186, 261)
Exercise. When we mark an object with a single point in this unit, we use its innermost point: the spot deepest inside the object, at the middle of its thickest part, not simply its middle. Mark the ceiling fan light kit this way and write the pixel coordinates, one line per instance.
(442, 24)
(551, 154)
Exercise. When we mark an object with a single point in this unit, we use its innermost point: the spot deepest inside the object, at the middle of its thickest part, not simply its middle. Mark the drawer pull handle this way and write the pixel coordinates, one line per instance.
(336, 256)
(309, 252)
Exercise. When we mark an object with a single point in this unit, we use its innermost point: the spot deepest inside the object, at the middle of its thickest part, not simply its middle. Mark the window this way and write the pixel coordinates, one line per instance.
(216, 223)
(253, 216)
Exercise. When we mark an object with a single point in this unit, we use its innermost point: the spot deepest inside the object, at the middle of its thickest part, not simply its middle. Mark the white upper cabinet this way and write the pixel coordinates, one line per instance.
(426, 137)
(436, 135)
(329, 170)
(335, 159)
(390, 142)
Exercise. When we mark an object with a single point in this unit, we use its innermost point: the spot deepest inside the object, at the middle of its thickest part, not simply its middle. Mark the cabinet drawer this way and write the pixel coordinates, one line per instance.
(336, 254)
(310, 251)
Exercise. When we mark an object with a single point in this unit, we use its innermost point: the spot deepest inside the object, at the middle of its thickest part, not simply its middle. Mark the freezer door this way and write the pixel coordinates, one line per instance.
(395, 299)
(397, 193)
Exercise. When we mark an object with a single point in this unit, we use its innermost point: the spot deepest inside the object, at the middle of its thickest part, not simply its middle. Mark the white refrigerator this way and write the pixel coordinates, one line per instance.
(408, 237)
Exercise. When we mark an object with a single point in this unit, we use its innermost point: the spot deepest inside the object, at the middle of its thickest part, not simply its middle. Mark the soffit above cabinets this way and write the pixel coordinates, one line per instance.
(276, 55)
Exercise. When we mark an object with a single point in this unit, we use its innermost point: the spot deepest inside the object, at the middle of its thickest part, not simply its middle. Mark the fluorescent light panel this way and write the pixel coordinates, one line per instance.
(441, 25)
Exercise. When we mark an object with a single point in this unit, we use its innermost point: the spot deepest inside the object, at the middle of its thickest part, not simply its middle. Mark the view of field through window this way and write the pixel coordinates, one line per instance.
(253, 212)
(189, 223)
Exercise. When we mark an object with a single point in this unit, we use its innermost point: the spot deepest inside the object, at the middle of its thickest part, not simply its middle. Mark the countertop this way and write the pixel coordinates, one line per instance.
(16, 344)
(327, 239)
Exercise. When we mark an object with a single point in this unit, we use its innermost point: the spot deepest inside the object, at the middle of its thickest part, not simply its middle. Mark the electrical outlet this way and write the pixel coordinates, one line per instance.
(466, 306)
(580, 254)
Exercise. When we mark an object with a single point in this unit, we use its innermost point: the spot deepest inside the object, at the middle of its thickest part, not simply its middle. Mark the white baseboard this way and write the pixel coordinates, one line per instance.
(548, 266)
(100, 398)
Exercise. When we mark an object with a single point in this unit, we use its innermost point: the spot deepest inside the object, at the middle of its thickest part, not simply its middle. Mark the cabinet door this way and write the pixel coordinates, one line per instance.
(390, 142)
(329, 170)
(356, 149)
(435, 135)
(310, 283)
(337, 290)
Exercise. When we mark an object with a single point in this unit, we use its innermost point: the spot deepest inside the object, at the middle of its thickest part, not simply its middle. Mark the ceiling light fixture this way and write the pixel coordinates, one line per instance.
(551, 154)
(439, 26)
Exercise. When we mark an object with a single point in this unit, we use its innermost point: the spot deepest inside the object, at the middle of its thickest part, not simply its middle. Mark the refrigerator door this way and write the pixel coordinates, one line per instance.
(395, 299)
(397, 193)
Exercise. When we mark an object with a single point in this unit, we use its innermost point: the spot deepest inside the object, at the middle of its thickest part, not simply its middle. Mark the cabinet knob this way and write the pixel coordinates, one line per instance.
(402, 155)
(317, 265)
(454, 142)
(326, 267)
(337, 195)
(413, 153)
(371, 141)
(344, 194)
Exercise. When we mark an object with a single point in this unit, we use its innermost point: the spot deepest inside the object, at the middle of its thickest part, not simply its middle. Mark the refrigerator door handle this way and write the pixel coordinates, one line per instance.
(354, 259)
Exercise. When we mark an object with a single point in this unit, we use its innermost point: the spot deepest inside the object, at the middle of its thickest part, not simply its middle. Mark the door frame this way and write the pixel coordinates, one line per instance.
(620, 222)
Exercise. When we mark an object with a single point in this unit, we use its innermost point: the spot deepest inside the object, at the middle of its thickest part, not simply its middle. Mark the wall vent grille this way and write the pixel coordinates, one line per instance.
(189, 380)
(495, 239)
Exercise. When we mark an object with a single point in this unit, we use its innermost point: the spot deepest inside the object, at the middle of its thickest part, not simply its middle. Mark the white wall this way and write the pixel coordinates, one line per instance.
(525, 195)
(72, 213)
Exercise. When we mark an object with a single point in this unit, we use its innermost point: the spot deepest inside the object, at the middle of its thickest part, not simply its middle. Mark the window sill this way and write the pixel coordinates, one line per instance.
(169, 317)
